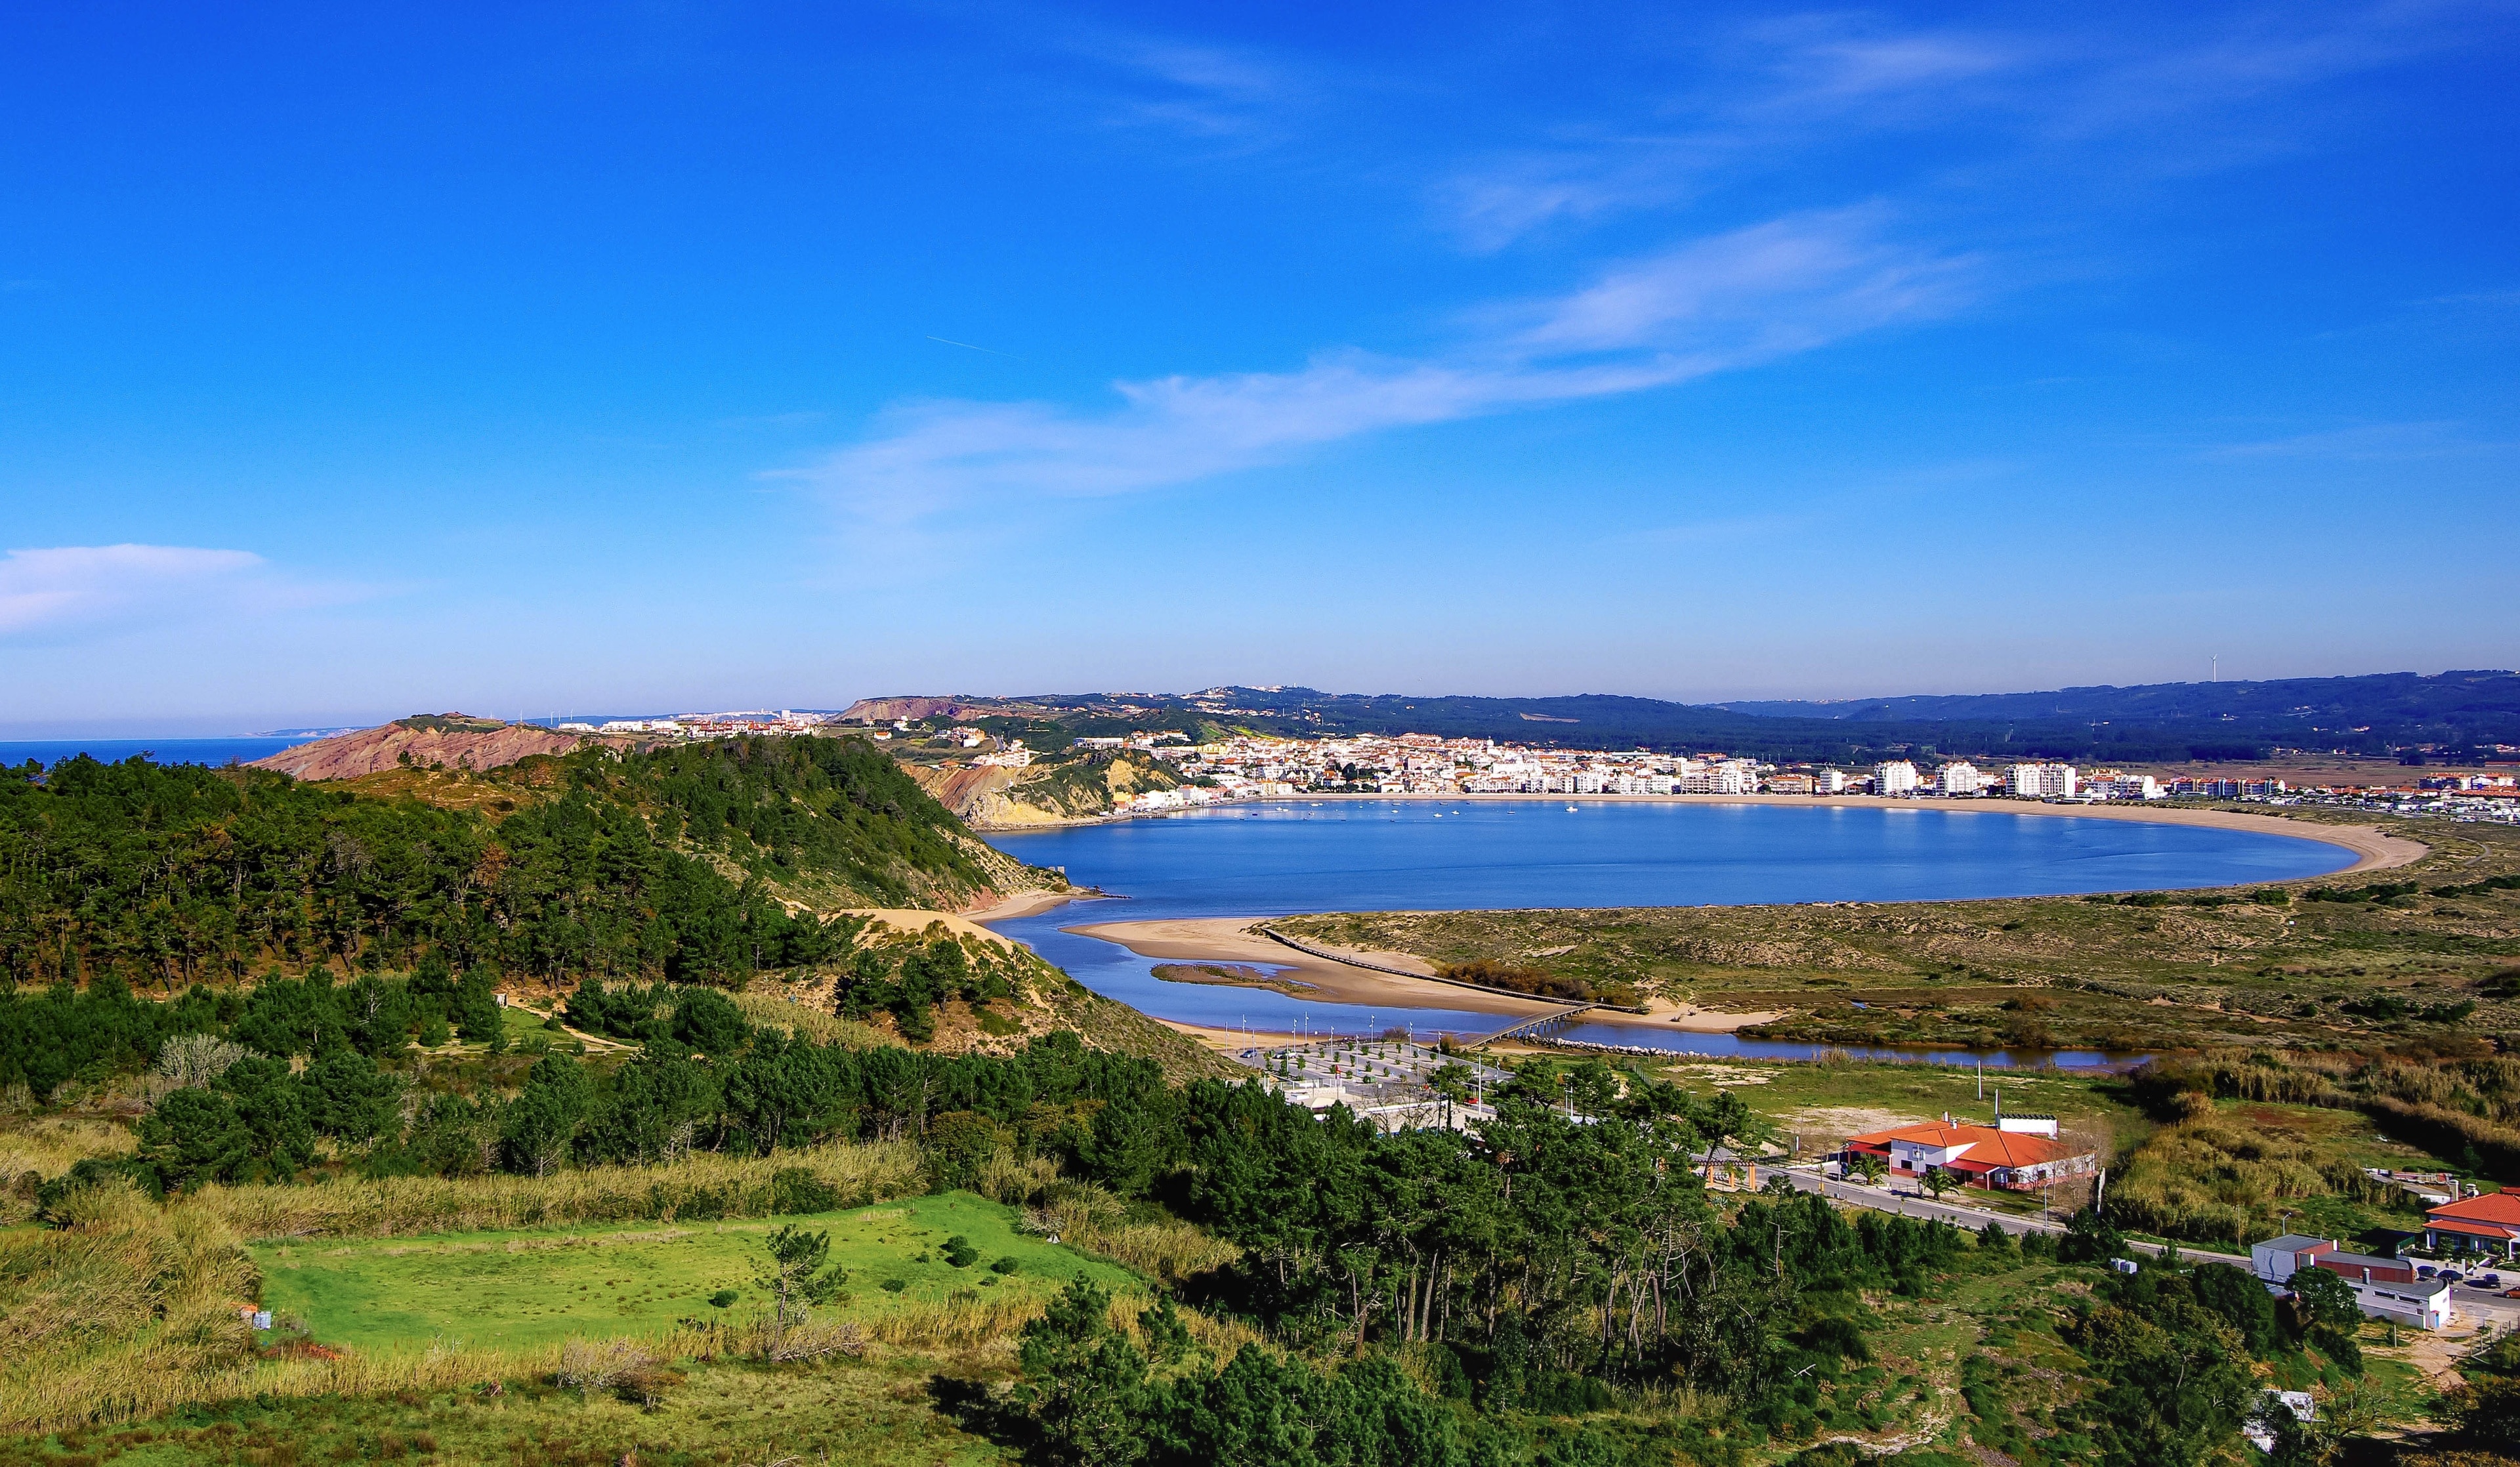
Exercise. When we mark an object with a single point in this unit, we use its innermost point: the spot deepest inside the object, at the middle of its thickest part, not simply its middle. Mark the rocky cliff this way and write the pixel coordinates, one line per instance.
(450, 741)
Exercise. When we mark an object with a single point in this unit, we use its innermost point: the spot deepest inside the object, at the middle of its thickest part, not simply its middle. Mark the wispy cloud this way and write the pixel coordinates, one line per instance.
(71, 589)
(1209, 93)
(2367, 441)
(1710, 305)
(1767, 98)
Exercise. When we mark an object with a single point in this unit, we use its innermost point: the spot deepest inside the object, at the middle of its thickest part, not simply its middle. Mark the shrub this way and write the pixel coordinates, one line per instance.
(800, 1189)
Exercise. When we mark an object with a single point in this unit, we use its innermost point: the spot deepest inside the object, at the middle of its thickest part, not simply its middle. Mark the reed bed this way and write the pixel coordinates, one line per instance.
(1084, 1215)
(51, 1145)
(703, 1185)
(822, 1025)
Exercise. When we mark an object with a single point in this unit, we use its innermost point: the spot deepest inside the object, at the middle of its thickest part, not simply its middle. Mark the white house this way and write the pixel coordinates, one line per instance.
(2423, 1304)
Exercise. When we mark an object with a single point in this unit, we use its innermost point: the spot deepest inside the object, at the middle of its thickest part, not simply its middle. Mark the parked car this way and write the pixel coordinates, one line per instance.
(2487, 1281)
(2453, 1275)
(2426, 1270)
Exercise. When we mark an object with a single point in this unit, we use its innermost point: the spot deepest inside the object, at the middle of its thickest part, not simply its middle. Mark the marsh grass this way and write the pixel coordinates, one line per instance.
(1089, 1218)
(775, 1010)
(36, 1149)
(2222, 1179)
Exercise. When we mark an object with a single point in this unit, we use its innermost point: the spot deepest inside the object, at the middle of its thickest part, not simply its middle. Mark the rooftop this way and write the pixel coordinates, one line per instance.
(1987, 1146)
(2492, 1207)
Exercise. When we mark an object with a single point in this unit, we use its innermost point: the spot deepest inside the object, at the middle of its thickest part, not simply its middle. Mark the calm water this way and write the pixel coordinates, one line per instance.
(211, 752)
(1426, 856)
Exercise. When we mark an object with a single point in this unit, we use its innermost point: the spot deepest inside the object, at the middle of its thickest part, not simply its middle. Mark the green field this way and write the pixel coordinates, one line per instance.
(524, 1288)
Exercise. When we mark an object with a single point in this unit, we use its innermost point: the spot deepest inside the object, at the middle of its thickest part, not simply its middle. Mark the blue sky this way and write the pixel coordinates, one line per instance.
(550, 359)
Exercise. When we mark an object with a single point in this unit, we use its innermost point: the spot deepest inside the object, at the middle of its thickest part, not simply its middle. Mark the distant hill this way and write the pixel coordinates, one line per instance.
(450, 741)
(2449, 714)
(2400, 697)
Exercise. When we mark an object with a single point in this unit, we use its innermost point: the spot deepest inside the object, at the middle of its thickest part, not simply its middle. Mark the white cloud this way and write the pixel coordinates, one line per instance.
(64, 590)
(1730, 301)
(1783, 285)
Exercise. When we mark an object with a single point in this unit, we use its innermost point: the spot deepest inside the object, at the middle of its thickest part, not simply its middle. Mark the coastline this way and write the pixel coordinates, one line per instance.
(1027, 904)
(1230, 940)
(1332, 980)
(2372, 849)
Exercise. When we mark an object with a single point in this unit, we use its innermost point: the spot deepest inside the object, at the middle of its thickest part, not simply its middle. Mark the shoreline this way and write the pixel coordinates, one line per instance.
(2373, 848)
(1333, 980)
(1230, 940)
(1027, 904)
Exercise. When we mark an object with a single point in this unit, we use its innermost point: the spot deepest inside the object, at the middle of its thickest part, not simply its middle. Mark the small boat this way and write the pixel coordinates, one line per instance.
(1570, 809)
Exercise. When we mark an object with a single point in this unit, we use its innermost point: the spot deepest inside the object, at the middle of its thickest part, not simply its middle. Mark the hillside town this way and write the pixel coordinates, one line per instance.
(1260, 767)
(1266, 769)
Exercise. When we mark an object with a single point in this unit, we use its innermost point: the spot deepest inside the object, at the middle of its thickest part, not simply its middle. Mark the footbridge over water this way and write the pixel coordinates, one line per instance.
(1537, 1029)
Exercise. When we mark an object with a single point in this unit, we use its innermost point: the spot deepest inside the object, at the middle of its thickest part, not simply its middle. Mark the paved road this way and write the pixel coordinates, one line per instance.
(1915, 1205)
(2475, 1306)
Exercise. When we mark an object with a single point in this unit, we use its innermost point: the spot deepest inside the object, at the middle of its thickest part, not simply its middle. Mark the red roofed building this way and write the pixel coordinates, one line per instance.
(2491, 1221)
(1983, 1156)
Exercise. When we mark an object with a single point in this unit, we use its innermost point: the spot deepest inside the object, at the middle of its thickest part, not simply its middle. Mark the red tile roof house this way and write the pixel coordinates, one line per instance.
(1983, 1156)
(2491, 1222)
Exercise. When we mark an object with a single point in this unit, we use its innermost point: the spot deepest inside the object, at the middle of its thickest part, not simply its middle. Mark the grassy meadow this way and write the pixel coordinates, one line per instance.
(532, 1288)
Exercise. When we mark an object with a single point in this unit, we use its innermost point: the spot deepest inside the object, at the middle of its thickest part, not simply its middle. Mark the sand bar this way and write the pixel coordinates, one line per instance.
(1229, 939)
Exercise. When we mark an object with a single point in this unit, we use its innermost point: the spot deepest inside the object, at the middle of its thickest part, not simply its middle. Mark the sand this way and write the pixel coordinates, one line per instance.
(1025, 905)
(914, 920)
(1229, 939)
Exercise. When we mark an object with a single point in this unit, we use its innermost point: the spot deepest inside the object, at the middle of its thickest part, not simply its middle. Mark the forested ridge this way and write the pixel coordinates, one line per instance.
(667, 863)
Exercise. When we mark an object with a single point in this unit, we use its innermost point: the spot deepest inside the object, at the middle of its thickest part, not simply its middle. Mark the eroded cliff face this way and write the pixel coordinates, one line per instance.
(452, 741)
(1044, 793)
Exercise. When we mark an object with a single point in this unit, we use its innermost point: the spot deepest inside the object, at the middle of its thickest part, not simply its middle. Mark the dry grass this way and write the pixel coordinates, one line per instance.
(50, 1145)
(395, 1206)
(776, 1008)
(1084, 1215)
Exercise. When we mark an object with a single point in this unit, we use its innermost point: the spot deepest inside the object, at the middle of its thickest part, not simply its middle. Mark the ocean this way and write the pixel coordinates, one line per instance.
(211, 752)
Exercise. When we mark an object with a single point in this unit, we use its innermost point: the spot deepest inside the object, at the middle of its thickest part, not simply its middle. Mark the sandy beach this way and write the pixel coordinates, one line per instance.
(1027, 904)
(1229, 939)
